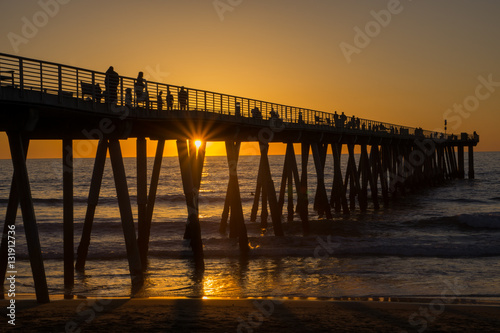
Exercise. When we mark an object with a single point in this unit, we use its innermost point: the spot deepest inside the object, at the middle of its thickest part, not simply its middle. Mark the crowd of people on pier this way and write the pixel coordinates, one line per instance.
(139, 97)
(141, 93)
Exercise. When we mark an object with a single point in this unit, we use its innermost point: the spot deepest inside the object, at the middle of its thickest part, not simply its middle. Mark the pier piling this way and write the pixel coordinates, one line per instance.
(68, 226)
(303, 200)
(471, 162)
(18, 154)
(143, 237)
(321, 202)
(142, 197)
(191, 178)
(271, 192)
(10, 221)
(236, 220)
(125, 207)
(461, 162)
(93, 199)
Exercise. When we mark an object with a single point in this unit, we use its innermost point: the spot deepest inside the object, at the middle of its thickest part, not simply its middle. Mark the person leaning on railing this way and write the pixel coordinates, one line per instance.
(139, 86)
(300, 121)
(111, 82)
(256, 113)
(159, 101)
(128, 97)
(170, 99)
(182, 96)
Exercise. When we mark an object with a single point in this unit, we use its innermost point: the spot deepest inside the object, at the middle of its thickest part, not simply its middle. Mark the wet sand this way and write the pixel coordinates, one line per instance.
(248, 315)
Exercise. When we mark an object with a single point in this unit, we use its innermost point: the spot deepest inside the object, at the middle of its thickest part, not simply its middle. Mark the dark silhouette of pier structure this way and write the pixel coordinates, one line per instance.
(44, 100)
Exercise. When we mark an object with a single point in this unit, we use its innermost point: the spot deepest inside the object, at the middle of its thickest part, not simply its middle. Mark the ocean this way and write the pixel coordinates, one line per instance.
(437, 242)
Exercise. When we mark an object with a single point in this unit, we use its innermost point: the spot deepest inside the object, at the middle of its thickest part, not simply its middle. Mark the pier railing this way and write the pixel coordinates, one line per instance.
(87, 85)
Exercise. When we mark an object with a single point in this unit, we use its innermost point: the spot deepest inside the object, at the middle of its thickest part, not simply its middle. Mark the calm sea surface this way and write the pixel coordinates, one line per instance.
(424, 244)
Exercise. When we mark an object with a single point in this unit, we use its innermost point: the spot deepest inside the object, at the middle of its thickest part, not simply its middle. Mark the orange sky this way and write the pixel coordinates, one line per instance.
(406, 62)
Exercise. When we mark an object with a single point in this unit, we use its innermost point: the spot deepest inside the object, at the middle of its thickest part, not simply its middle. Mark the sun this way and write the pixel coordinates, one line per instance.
(197, 143)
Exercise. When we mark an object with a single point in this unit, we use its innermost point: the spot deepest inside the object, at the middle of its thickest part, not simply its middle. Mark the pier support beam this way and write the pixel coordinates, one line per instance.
(385, 157)
(338, 197)
(236, 221)
(449, 163)
(290, 175)
(271, 191)
(395, 169)
(10, 221)
(440, 163)
(233, 210)
(373, 164)
(303, 200)
(406, 167)
(471, 162)
(352, 177)
(191, 163)
(18, 154)
(225, 213)
(321, 201)
(322, 149)
(255, 207)
(364, 175)
(461, 162)
(145, 231)
(264, 213)
(142, 196)
(454, 159)
(93, 199)
(127, 218)
(68, 227)
(389, 165)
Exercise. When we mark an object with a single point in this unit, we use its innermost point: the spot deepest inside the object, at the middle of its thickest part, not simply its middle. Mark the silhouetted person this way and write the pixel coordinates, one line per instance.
(170, 99)
(300, 118)
(336, 119)
(358, 123)
(111, 82)
(183, 98)
(273, 114)
(343, 118)
(128, 97)
(352, 123)
(237, 109)
(256, 113)
(159, 101)
(139, 86)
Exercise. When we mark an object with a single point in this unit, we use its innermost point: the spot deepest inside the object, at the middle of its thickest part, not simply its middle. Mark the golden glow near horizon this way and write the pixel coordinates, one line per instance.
(413, 63)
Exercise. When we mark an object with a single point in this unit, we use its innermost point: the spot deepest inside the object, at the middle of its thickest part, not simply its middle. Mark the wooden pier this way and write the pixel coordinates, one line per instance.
(43, 100)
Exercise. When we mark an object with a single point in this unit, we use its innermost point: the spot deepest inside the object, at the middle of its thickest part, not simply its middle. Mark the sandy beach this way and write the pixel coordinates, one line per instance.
(248, 315)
